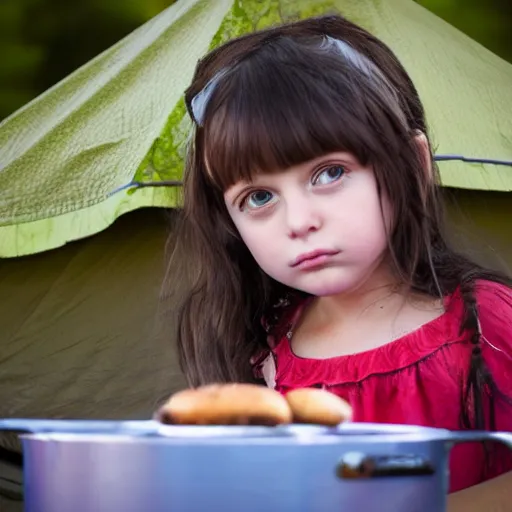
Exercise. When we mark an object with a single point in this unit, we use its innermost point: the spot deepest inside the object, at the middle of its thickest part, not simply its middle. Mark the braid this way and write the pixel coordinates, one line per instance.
(479, 383)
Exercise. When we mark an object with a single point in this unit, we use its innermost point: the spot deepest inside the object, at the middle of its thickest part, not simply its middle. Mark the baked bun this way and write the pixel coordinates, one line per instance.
(317, 406)
(226, 404)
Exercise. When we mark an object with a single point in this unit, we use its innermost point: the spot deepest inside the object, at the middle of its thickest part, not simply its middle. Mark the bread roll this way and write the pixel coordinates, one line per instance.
(226, 404)
(317, 406)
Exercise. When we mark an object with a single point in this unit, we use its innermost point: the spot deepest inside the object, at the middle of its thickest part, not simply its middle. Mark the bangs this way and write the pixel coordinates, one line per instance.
(291, 102)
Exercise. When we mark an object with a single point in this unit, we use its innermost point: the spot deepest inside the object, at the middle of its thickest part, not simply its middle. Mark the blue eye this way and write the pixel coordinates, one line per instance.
(329, 175)
(257, 199)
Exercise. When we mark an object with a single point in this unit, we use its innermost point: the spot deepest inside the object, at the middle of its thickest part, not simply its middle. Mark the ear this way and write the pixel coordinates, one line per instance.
(423, 147)
(427, 180)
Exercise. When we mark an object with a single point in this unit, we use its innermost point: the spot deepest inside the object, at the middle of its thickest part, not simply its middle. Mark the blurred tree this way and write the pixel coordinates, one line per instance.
(74, 33)
(21, 61)
(489, 23)
(42, 41)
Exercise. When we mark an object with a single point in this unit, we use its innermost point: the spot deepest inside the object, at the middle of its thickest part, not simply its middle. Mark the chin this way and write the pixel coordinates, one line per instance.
(324, 282)
(327, 291)
(320, 289)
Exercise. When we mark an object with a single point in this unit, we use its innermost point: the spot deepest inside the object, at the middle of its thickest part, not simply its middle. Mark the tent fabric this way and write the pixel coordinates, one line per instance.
(81, 334)
(66, 157)
(64, 154)
(480, 226)
(11, 487)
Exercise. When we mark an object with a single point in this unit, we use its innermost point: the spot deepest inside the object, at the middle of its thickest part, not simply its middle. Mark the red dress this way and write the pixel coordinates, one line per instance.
(416, 379)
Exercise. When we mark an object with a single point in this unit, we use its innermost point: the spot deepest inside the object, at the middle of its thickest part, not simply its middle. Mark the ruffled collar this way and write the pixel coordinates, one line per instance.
(398, 354)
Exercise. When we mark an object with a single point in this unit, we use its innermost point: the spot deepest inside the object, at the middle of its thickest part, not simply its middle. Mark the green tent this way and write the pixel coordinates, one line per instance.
(80, 334)
(83, 230)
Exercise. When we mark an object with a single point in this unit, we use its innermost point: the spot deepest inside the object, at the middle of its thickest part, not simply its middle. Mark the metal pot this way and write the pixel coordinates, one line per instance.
(104, 466)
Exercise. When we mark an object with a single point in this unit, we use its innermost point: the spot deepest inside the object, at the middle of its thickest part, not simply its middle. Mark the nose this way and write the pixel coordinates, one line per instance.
(301, 216)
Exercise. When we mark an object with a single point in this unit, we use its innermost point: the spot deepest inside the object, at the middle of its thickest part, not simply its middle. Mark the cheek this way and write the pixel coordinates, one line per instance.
(367, 239)
(367, 225)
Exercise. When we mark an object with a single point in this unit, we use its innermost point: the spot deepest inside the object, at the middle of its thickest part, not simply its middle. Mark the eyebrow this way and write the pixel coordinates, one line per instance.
(342, 156)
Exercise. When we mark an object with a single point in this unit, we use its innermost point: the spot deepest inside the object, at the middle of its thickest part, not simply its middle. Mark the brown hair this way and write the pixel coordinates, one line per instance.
(285, 100)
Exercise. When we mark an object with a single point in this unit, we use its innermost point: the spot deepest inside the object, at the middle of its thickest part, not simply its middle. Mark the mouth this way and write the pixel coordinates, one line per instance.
(313, 259)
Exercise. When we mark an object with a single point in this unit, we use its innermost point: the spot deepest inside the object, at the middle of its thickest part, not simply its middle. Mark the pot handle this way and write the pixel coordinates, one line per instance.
(358, 465)
(479, 436)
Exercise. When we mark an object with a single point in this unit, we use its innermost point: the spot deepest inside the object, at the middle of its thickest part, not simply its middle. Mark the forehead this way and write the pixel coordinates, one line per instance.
(280, 108)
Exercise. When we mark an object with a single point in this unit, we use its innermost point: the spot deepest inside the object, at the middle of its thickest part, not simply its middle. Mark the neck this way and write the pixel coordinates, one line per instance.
(381, 294)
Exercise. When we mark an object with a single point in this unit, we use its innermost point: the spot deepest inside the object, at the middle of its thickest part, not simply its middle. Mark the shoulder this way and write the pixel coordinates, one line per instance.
(491, 291)
(494, 305)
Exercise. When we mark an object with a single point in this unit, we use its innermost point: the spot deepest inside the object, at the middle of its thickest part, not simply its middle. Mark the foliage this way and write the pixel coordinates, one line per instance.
(166, 156)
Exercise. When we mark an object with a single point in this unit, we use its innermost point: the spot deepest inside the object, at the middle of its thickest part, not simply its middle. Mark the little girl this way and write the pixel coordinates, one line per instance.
(312, 246)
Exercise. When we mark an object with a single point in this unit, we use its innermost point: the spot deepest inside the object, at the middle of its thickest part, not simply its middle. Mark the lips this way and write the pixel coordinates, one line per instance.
(308, 258)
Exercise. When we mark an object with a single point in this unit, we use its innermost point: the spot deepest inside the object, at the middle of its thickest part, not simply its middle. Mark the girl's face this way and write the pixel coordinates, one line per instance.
(318, 227)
